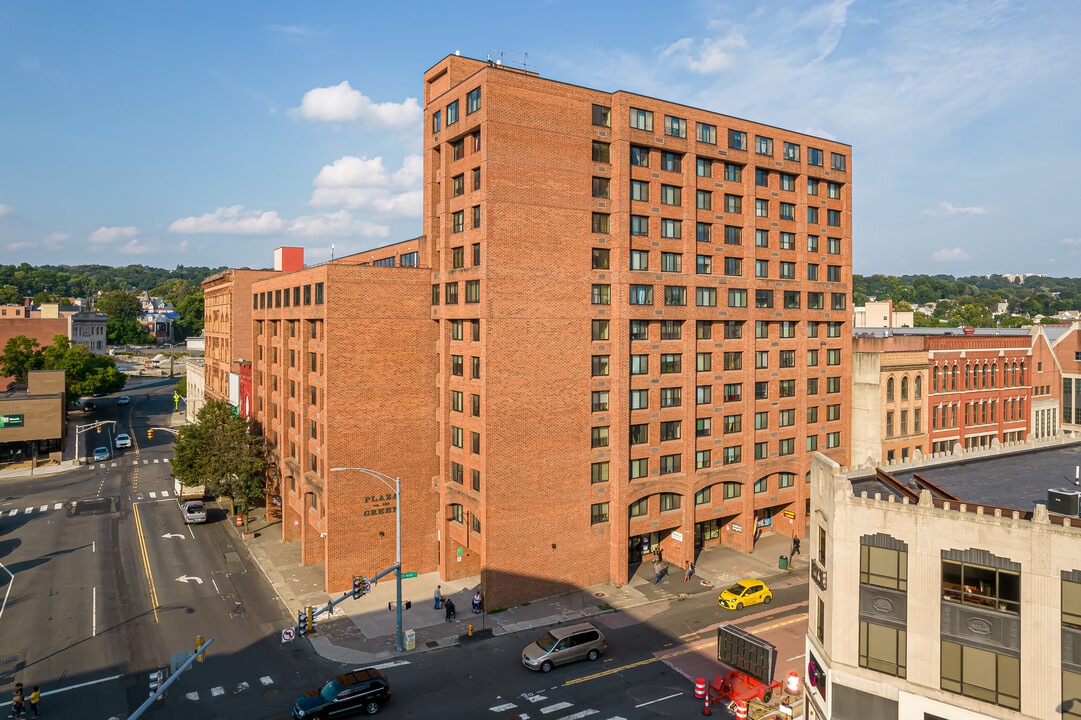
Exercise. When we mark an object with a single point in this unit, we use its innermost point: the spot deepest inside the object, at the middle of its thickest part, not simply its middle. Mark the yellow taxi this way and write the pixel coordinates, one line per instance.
(745, 592)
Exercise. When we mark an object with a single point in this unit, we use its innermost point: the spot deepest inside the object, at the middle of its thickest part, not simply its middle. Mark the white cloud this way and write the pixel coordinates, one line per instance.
(106, 235)
(336, 224)
(341, 103)
(56, 240)
(361, 182)
(710, 55)
(134, 247)
(1071, 241)
(950, 255)
(233, 220)
(294, 30)
(6, 210)
(946, 209)
(24, 245)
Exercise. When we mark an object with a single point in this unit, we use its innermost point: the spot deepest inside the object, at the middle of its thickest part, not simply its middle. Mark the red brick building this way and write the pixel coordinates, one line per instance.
(633, 330)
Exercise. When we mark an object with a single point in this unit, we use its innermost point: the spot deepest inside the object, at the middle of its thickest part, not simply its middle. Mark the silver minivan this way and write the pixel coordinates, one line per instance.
(582, 641)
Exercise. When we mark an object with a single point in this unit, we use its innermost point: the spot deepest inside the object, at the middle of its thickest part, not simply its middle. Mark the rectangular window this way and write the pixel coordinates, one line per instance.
(706, 133)
(786, 446)
(472, 101)
(601, 258)
(733, 266)
(639, 468)
(736, 298)
(639, 156)
(602, 152)
(639, 434)
(704, 266)
(704, 362)
(761, 390)
(812, 410)
(599, 472)
(705, 297)
(600, 330)
(703, 167)
(639, 399)
(703, 394)
(812, 443)
(733, 360)
(639, 260)
(812, 243)
(602, 116)
(761, 268)
(833, 439)
(640, 507)
(815, 300)
(476, 179)
(812, 216)
(670, 430)
(437, 121)
(452, 113)
(833, 246)
(786, 418)
(676, 127)
(833, 273)
(598, 513)
(733, 329)
(763, 298)
(671, 363)
(833, 385)
(641, 294)
(457, 184)
(639, 365)
(476, 216)
(833, 412)
(639, 330)
(733, 235)
(671, 329)
(733, 424)
(737, 140)
(763, 145)
(702, 427)
(833, 218)
(602, 187)
(814, 157)
(837, 161)
(761, 329)
(786, 359)
(598, 437)
(761, 177)
(672, 162)
(703, 329)
(833, 190)
(788, 211)
(601, 223)
(732, 455)
(671, 397)
(457, 221)
(639, 225)
(704, 200)
(788, 182)
(640, 190)
(476, 405)
(761, 452)
(641, 119)
(671, 195)
(761, 208)
(761, 359)
(833, 356)
(791, 152)
(599, 363)
(733, 392)
(733, 204)
(671, 229)
(703, 232)
(602, 294)
(599, 401)
(670, 464)
(837, 301)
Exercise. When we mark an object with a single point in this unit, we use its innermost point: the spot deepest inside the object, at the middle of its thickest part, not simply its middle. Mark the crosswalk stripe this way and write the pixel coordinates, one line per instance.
(501, 708)
(580, 715)
(216, 691)
(266, 680)
(193, 696)
(58, 506)
(153, 495)
(13, 513)
(156, 461)
(43, 508)
(555, 708)
(28, 511)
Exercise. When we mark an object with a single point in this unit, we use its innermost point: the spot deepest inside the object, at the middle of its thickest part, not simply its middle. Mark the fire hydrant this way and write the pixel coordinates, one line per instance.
(469, 630)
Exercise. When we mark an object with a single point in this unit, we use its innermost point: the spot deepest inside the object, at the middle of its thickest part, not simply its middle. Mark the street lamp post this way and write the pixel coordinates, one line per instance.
(387, 480)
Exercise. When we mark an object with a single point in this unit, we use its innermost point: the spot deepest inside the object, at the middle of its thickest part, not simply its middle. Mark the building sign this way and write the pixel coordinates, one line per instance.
(677, 536)
(11, 421)
(736, 527)
(818, 575)
(790, 514)
(384, 504)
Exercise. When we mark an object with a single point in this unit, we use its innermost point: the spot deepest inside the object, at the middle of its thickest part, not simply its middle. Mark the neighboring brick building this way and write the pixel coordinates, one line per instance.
(925, 390)
(227, 322)
(343, 375)
(1066, 346)
(618, 339)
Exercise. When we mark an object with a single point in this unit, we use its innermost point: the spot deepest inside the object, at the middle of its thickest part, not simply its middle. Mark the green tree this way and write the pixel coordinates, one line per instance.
(126, 332)
(21, 355)
(121, 304)
(84, 372)
(221, 451)
(9, 295)
(190, 310)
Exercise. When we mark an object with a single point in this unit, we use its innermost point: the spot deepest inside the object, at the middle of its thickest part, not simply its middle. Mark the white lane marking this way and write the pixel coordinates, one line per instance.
(193, 696)
(579, 715)
(266, 680)
(535, 698)
(28, 511)
(556, 708)
(94, 612)
(73, 687)
(13, 513)
(384, 666)
(216, 691)
(11, 583)
(165, 493)
(156, 461)
(215, 586)
(43, 508)
(165, 460)
(797, 657)
(661, 699)
(501, 708)
(58, 506)
(153, 495)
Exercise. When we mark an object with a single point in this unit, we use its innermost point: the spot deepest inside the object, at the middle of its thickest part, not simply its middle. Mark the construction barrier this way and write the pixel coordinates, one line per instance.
(791, 685)
(240, 520)
(741, 710)
(700, 688)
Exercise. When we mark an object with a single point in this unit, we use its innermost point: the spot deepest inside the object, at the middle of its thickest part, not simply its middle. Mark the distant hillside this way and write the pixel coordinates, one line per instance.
(84, 280)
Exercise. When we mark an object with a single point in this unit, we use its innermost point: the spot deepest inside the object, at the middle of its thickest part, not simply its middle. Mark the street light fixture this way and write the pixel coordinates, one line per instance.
(397, 486)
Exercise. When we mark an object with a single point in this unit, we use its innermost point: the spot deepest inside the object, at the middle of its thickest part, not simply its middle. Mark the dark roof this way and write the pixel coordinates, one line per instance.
(1019, 480)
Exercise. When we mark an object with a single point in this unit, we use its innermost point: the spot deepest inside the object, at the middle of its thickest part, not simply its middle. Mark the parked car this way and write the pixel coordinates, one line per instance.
(123, 440)
(123, 400)
(582, 641)
(359, 691)
(745, 592)
(194, 511)
(89, 405)
(101, 454)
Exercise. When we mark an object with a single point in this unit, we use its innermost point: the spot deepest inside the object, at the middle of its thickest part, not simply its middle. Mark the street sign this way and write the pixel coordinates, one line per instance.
(288, 634)
(11, 421)
(409, 575)
(790, 514)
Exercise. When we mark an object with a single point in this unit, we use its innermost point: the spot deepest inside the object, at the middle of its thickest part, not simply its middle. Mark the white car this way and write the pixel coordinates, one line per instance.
(123, 440)
(123, 400)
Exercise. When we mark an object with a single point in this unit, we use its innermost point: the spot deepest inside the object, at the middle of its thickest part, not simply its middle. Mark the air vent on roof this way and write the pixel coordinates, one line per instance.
(1064, 502)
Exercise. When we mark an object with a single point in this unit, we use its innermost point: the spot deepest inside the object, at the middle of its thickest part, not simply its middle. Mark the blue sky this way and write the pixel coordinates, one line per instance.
(209, 133)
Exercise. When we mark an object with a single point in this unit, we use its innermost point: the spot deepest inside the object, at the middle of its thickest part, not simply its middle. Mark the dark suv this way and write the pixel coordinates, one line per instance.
(349, 694)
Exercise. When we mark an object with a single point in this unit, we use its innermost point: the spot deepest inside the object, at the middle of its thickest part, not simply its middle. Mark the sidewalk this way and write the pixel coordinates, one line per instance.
(362, 632)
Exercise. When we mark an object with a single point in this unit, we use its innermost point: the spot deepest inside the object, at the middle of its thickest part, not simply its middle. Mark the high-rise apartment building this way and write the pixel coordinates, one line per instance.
(644, 323)
(633, 331)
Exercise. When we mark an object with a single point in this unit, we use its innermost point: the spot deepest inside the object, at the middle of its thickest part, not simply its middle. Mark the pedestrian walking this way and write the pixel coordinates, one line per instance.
(448, 605)
(35, 698)
(17, 702)
(795, 546)
(688, 572)
(438, 597)
(659, 554)
(659, 571)
(476, 603)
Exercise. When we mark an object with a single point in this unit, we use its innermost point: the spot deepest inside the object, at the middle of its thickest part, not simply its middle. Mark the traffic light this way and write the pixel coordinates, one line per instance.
(199, 656)
(156, 679)
(302, 622)
(358, 586)
(149, 434)
(99, 429)
(310, 617)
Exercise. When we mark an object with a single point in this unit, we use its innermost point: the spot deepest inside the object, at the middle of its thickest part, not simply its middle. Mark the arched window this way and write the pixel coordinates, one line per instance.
(994, 372)
(455, 513)
(904, 388)
(889, 390)
(1013, 375)
(1021, 375)
(918, 390)
(968, 376)
(986, 377)
(934, 378)
(953, 382)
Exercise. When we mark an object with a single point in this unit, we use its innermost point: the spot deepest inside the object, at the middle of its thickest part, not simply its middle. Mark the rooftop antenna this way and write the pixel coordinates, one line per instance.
(1077, 475)
(512, 58)
(332, 251)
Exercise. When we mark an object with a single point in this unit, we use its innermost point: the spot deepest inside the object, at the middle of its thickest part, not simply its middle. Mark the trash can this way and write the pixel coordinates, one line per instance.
(782, 562)
(410, 640)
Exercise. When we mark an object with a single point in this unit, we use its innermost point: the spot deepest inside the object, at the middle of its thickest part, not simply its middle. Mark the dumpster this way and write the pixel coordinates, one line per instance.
(410, 640)
(782, 562)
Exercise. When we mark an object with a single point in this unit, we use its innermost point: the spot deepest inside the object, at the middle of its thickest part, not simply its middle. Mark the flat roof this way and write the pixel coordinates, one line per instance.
(1016, 480)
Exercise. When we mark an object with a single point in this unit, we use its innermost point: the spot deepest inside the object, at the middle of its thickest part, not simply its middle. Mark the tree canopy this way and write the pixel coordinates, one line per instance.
(84, 372)
(220, 451)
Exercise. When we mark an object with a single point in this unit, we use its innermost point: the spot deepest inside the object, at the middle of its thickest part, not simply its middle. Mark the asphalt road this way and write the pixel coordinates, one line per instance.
(102, 583)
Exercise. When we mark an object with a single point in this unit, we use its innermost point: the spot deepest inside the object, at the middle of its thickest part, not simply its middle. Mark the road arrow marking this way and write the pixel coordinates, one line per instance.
(172, 535)
(189, 578)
